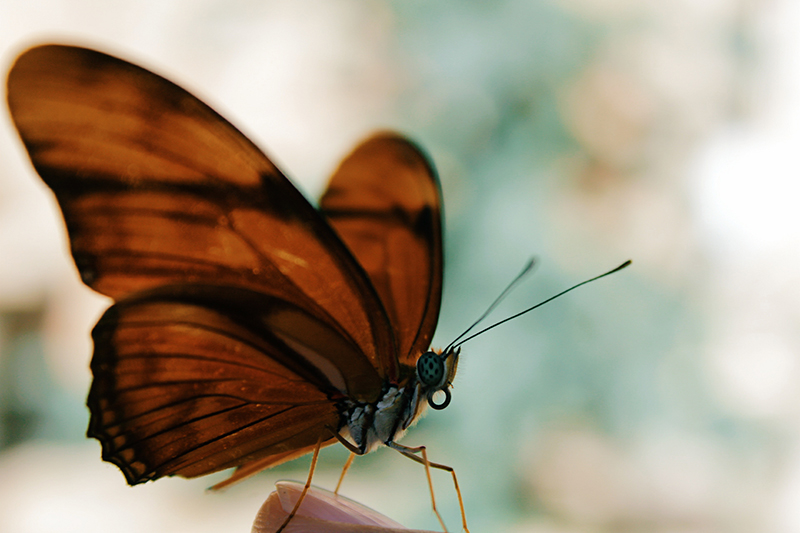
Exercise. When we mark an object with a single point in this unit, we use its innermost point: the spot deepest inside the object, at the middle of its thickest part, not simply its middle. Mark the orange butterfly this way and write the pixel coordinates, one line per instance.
(249, 328)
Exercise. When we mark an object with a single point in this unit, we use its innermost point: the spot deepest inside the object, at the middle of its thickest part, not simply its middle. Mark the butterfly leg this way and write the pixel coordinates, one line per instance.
(411, 452)
(344, 471)
(354, 450)
(305, 489)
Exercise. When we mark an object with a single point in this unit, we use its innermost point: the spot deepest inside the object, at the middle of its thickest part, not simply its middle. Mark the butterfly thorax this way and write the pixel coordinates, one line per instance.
(372, 424)
(399, 407)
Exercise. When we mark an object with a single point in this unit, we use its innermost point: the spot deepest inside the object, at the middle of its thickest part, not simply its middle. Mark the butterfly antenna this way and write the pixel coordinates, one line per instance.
(525, 271)
(528, 310)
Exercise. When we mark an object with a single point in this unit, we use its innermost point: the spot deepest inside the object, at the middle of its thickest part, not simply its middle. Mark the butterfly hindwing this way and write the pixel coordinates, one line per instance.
(189, 381)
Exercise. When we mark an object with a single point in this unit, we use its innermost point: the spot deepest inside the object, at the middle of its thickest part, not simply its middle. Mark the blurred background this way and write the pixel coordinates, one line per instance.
(585, 132)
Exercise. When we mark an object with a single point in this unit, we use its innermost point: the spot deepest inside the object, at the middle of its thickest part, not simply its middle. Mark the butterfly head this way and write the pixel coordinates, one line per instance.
(435, 372)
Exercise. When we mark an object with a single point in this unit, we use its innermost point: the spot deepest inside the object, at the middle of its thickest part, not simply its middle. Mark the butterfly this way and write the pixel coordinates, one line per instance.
(248, 328)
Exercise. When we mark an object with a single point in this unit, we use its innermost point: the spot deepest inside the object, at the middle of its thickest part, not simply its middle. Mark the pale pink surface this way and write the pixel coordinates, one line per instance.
(321, 511)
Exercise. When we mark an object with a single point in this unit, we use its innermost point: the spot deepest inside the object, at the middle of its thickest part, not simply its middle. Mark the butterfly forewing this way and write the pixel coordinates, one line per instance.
(157, 188)
(384, 201)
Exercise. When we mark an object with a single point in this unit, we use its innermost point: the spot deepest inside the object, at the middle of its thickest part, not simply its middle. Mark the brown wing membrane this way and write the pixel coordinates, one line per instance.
(157, 188)
(384, 201)
(189, 381)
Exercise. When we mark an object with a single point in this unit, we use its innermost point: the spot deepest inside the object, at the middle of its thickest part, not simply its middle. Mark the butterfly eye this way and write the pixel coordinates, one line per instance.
(430, 370)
